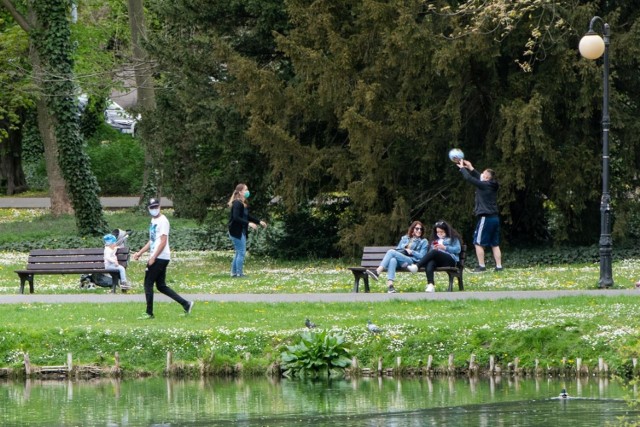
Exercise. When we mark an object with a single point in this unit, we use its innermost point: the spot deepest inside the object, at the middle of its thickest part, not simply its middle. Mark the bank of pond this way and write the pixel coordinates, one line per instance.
(568, 368)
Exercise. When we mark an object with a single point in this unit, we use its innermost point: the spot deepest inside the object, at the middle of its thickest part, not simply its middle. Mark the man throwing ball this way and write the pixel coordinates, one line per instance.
(487, 232)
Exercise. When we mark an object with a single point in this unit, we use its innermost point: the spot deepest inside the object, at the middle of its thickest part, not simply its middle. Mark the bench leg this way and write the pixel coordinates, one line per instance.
(357, 275)
(26, 278)
(460, 282)
(450, 289)
(115, 281)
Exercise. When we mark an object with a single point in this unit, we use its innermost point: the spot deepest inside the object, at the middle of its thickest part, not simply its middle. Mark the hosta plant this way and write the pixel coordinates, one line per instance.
(316, 353)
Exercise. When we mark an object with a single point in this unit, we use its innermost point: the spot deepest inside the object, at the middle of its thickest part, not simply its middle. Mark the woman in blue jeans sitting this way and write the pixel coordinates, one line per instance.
(444, 251)
(410, 250)
(239, 222)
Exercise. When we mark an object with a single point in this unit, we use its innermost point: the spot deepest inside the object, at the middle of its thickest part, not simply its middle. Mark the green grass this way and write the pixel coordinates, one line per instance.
(548, 330)
(208, 272)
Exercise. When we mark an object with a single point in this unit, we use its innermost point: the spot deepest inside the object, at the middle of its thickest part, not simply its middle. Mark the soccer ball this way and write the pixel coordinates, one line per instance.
(455, 155)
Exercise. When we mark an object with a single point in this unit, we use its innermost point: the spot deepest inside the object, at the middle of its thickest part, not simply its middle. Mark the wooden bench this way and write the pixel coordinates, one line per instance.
(70, 261)
(372, 257)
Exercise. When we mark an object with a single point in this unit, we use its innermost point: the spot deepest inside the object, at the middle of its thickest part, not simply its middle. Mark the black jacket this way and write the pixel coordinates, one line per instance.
(486, 193)
(239, 219)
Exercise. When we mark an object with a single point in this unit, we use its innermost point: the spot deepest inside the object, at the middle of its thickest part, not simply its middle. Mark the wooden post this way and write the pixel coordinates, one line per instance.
(354, 362)
(429, 362)
(452, 368)
(27, 365)
(69, 362)
(379, 365)
(472, 364)
(117, 361)
(492, 364)
(169, 363)
(398, 361)
(578, 366)
(600, 365)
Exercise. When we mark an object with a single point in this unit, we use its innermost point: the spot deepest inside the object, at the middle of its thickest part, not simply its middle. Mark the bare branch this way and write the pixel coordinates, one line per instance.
(24, 24)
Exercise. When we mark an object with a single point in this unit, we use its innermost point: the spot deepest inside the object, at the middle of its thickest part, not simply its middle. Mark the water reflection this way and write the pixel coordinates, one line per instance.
(365, 402)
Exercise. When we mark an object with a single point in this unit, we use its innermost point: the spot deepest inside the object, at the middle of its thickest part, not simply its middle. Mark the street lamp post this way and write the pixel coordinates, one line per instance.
(592, 46)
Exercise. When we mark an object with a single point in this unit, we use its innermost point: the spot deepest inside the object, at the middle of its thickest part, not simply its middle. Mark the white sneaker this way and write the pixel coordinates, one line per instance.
(430, 288)
(413, 268)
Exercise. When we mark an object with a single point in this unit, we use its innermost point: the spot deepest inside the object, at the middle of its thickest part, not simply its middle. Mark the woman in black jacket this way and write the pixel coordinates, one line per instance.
(239, 222)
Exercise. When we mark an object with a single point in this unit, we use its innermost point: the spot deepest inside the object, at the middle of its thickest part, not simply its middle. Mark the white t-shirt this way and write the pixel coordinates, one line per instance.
(159, 227)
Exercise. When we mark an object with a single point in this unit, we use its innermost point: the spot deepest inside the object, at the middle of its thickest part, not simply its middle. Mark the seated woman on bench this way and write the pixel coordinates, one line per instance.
(444, 251)
(410, 250)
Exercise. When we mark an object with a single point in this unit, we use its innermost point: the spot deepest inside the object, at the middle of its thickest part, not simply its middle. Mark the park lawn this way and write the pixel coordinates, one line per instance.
(545, 329)
(208, 272)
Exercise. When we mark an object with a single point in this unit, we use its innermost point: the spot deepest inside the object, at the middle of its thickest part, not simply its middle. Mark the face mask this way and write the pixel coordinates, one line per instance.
(154, 212)
(247, 194)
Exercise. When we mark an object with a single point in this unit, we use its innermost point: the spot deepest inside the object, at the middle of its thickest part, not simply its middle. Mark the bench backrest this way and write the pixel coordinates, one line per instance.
(72, 259)
(372, 255)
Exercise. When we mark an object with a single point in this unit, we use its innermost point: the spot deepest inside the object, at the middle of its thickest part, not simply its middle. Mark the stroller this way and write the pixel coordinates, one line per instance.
(90, 281)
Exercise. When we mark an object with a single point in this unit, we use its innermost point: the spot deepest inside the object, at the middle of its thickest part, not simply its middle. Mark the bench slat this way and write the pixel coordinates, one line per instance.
(72, 271)
(79, 251)
(66, 266)
(70, 260)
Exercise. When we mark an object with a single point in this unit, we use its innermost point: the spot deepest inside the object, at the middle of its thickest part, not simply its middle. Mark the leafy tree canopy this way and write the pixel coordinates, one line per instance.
(366, 97)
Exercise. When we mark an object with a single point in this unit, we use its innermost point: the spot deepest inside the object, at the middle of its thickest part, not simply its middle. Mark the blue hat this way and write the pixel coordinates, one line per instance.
(109, 239)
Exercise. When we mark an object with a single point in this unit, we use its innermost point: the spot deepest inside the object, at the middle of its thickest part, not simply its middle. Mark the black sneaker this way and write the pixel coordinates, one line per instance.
(479, 269)
(372, 274)
(391, 290)
(498, 269)
(188, 310)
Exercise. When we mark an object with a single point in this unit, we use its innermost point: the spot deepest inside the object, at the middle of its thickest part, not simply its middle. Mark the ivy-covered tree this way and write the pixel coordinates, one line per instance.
(68, 167)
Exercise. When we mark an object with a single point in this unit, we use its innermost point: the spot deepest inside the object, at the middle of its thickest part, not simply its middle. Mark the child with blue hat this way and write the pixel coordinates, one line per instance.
(111, 259)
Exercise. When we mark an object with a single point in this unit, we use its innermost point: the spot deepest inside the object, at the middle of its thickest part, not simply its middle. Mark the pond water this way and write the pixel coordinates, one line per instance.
(350, 403)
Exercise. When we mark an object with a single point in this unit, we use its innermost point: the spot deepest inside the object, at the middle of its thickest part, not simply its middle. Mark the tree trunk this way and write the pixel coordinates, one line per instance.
(60, 201)
(146, 97)
(11, 157)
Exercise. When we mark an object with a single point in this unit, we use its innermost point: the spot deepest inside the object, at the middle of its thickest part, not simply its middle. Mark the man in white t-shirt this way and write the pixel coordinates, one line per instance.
(156, 271)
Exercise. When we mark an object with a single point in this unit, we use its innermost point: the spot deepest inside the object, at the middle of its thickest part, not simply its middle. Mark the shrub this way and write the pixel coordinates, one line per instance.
(117, 161)
(311, 231)
(315, 353)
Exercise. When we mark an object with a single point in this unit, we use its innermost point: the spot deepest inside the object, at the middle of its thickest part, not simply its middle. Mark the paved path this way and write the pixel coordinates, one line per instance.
(102, 296)
(45, 203)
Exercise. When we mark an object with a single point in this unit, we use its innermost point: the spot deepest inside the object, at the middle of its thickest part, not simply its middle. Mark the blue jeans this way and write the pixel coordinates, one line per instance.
(391, 260)
(240, 246)
(123, 272)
